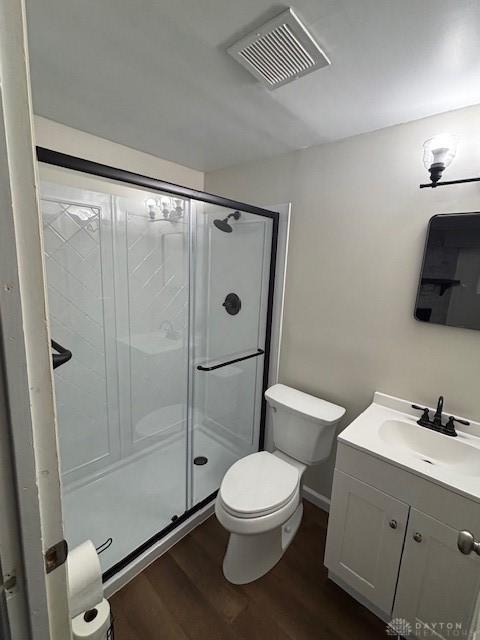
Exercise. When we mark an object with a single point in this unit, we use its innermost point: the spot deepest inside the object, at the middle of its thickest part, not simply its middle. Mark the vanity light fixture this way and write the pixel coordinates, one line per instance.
(150, 206)
(438, 153)
(172, 209)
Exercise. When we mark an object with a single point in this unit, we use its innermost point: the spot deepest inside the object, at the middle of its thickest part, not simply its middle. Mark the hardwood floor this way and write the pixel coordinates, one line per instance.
(184, 596)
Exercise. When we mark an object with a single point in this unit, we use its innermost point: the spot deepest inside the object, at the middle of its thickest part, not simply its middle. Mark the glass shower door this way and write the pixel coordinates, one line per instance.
(164, 302)
(117, 262)
(152, 302)
(231, 285)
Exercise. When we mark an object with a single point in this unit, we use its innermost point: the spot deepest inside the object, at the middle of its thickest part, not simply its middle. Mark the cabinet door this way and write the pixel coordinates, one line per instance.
(438, 586)
(366, 530)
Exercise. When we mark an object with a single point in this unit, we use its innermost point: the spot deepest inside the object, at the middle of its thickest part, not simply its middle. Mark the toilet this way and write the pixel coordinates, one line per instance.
(259, 501)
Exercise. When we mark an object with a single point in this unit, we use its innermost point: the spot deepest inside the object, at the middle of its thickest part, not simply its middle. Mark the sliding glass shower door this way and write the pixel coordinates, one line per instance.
(232, 266)
(163, 302)
(118, 300)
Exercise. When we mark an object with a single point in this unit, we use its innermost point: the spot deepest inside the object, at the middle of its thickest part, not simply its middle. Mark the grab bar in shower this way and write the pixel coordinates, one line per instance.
(63, 355)
(201, 367)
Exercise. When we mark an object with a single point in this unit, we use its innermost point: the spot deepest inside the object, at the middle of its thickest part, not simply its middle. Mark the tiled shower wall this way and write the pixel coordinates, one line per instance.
(237, 262)
(118, 292)
(153, 344)
(118, 299)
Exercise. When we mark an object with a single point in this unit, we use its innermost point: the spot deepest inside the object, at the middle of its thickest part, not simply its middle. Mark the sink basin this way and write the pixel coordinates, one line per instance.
(431, 447)
(388, 430)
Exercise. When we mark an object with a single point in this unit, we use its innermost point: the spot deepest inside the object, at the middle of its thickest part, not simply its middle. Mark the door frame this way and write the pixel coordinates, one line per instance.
(65, 161)
(32, 450)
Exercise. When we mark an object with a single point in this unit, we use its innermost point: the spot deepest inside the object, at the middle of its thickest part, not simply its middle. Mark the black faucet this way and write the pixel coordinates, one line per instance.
(436, 424)
(437, 418)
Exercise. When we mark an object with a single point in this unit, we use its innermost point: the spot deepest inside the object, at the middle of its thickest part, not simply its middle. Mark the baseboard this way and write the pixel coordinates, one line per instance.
(124, 576)
(320, 501)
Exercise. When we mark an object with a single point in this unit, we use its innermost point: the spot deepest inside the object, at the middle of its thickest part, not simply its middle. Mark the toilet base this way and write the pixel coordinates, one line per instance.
(250, 557)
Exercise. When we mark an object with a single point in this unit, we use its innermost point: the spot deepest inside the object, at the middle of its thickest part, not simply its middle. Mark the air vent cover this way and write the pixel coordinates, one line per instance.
(280, 51)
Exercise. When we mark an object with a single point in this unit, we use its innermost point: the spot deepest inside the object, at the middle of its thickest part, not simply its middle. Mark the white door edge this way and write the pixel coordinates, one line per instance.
(25, 340)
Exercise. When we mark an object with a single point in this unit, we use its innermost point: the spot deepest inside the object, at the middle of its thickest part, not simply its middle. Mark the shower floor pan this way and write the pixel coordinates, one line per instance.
(130, 504)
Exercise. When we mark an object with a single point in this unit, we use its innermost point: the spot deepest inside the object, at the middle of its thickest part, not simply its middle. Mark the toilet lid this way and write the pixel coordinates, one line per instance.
(258, 484)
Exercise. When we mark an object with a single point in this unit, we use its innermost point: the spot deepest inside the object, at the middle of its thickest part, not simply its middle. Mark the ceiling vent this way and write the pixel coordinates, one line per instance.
(279, 51)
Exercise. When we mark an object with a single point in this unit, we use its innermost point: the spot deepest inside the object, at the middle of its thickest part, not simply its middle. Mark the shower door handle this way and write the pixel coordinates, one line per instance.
(63, 355)
(258, 352)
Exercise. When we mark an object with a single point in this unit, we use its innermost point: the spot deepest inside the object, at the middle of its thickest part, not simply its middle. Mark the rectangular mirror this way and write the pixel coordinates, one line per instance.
(449, 287)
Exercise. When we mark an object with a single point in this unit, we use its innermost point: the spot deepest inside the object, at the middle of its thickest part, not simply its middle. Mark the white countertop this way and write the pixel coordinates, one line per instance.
(452, 462)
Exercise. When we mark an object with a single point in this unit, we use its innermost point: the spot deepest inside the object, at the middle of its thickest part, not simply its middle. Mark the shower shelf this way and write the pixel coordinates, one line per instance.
(259, 352)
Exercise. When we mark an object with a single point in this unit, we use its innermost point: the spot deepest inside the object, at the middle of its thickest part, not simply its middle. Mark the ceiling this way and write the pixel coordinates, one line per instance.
(154, 74)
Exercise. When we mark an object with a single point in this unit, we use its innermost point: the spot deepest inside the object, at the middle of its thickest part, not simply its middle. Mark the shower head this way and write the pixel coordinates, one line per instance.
(224, 224)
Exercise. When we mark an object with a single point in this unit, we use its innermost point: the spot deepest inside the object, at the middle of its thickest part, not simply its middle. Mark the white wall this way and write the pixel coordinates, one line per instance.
(59, 137)
(357, 236)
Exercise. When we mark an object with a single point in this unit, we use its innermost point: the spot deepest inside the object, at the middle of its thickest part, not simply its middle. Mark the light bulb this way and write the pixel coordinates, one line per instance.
(438, 153)
(150, 206)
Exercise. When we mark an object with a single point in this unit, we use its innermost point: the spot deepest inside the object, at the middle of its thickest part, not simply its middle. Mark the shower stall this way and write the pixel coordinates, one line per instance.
(163, 296)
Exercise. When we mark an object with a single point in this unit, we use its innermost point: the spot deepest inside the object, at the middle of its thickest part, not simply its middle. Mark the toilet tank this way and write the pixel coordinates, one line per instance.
(303, 425)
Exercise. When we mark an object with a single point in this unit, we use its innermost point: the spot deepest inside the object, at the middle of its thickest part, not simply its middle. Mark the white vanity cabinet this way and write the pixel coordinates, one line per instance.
(438, 586)
(392, 543)
(366, 532)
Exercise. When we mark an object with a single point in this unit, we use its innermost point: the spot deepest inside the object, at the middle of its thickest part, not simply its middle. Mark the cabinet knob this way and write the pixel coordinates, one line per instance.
(393, 524)
(417, 537)
(466, 543)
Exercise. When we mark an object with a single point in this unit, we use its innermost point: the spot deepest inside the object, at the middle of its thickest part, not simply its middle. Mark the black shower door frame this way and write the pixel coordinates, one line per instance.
(65, 161)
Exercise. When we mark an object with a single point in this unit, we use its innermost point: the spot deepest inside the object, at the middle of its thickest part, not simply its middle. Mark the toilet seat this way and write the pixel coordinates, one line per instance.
(258, 485)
